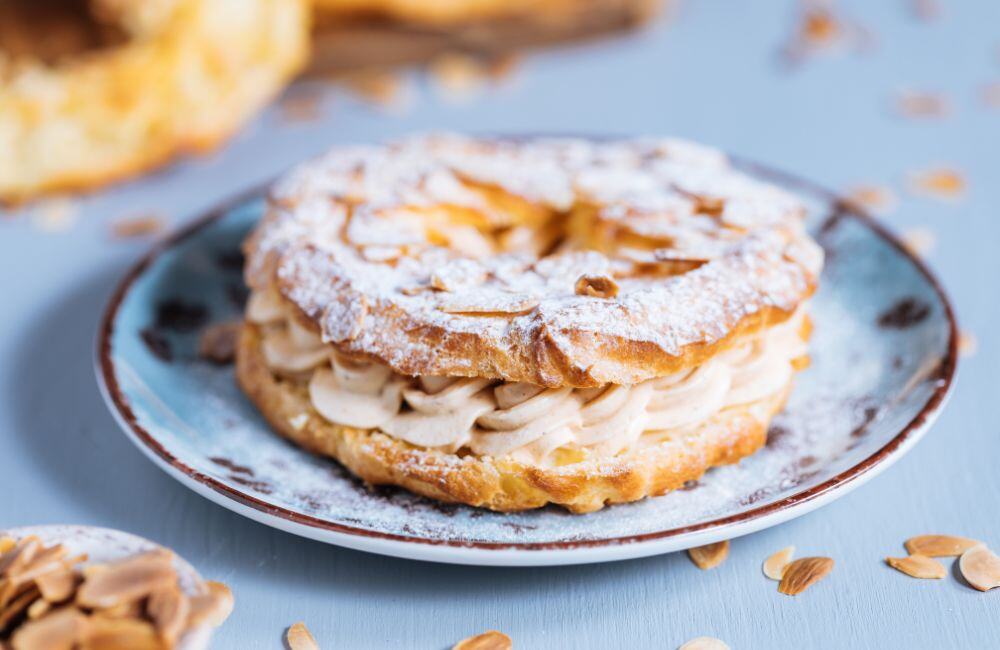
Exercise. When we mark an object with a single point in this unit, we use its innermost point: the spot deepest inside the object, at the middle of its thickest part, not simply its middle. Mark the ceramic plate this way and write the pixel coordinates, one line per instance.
(884, 352)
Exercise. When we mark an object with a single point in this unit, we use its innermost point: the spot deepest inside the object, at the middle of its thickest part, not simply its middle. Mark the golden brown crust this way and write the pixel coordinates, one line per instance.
(502, 484)
(187, 76)
(427, 279)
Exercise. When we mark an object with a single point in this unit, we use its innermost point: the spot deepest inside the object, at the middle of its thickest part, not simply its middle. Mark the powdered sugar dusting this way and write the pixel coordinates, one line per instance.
(401, 227)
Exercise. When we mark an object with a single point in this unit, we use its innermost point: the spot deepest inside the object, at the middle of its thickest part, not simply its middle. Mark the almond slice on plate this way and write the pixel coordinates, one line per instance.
(491, 640)
(710, 555)
(126, 580)
(802, 573)
(774, 566)
(704, 643)
(917, 566)
(596, 286)
(980, 567)
(938, 545)
(299, 638)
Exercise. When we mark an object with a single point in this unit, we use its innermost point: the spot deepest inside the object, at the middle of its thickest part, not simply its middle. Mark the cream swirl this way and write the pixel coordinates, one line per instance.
(526, 422)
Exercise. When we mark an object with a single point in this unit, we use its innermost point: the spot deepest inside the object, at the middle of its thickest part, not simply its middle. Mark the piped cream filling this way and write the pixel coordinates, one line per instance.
(529, 423)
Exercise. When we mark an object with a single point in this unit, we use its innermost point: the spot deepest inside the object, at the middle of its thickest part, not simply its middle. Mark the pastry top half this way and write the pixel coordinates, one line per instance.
(551, 301)
(556, 262)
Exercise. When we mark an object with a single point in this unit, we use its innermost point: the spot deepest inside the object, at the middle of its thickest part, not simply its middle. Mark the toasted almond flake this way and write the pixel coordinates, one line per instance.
(169, 609)
(596, 286)
(103, 633)
(879, 199)
(145, 225)
(925, 10)
(57, 631)
(55, 215)
(502, 67)
(990, 95)
(17, 605)
(942, 182)
(298, 637)
(710, 555)
(918, 104)
(57, 586)
(774, 566)
(938, 545)
(917, 566)
(485, 304)
(39, 608)
(802, 573)
(458, 76)
(213, 607)
(490, 640)
(704, 643)
(217, 342)
(6, 544)
(980, 567)
(968, 344)
(380, 87)
(129, 579)
(302, 103)
(918, 241)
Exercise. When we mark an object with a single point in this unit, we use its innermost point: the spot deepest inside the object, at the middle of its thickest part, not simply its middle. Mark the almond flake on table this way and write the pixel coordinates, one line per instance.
(968, 344)
(704, 643)
(918, 241)
(298, 637)
(490, 640)
(941, 182)
(980, 567)
(938, 545)
(710, 555)
(917, 566)
(919, 104)
(775, 565)
(138, 226)
(55, 215)
(803, 573)
(876, 198)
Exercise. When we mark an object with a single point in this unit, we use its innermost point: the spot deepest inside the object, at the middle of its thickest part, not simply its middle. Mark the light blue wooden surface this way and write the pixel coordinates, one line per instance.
(711, 74)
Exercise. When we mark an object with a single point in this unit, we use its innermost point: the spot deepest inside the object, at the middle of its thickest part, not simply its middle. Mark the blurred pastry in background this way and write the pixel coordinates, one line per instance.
(99, 90)
(353, 34)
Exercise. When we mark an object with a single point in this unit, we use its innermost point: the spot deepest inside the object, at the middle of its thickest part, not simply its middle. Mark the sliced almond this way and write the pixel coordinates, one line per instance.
(143, 225)
(938, 545)
(485, 304)
(18, 604)
(917, 566)
(980, 567)
(57, 586)
(298, 637)
(596, 286)
(6, 544)
(491, 640)
(710, 555)
(211, 608)
(39, 608)
(102, 633)
(704, 643)
(774, 566)
(967, 344)
(60, 630)
(802, 573)
(169, 609)
(130, 579)
(217, 342)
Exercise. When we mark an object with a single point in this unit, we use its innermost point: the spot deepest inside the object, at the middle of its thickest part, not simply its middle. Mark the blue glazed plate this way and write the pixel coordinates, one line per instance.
(883, 351)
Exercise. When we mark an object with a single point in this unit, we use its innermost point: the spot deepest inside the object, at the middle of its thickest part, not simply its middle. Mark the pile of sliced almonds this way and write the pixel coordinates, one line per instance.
(47, 600)
(979, 565)
(795, 576)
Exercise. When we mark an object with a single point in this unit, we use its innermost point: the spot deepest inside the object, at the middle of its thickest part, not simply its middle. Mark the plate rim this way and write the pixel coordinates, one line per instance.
(318, 528)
